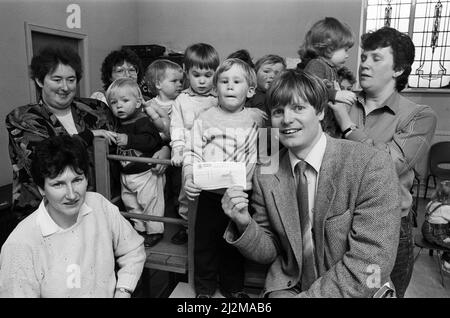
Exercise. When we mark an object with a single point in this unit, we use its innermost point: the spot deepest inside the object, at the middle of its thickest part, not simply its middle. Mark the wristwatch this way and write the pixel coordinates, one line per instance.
(124, 290)
(349, 130)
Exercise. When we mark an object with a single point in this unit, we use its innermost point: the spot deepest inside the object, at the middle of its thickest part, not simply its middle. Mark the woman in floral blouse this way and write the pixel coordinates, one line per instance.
(56, 72)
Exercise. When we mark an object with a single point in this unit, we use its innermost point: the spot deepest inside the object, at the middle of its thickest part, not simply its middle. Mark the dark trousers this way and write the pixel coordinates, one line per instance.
(404, 262)
(173, 184)
(213, 256)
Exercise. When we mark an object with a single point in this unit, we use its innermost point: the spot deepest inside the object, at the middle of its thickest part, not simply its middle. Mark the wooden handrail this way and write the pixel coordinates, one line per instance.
(154, 218)
(140, 159)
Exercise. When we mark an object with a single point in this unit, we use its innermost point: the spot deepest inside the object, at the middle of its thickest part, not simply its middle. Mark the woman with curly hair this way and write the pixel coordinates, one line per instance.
(117, 64)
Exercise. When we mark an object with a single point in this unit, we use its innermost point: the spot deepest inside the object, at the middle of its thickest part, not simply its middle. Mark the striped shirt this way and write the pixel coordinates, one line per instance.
(220, 136)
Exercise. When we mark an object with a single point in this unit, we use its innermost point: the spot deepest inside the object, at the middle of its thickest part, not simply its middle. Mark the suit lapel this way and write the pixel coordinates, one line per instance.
(285, 198)
(326, 191)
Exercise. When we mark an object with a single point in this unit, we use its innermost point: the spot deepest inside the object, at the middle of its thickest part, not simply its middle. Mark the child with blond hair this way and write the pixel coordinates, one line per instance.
(200, 63)
(227, 133)
(142, 190)
(323, 52)
(165, 80)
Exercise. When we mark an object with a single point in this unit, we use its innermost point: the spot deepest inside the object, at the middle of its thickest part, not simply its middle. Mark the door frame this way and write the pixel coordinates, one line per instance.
(82, 38)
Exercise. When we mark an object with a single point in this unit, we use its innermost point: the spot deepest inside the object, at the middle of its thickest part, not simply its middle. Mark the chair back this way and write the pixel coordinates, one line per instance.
(439, 154)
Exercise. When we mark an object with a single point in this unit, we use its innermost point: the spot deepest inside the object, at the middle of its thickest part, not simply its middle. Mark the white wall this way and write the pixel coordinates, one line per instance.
(261, 26)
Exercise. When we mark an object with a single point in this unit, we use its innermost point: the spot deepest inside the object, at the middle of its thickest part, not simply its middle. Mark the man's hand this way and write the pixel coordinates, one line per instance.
(120, 294)
(191, 189)
(235, 206)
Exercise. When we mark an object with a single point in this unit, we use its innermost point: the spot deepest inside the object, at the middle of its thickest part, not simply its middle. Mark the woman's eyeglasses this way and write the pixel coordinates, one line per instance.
(122, 71)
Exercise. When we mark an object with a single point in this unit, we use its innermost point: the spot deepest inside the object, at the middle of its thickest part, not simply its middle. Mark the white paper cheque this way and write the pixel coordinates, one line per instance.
(217, 175)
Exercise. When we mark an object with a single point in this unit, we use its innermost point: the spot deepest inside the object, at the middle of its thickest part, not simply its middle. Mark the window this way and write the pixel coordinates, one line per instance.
(428, 24)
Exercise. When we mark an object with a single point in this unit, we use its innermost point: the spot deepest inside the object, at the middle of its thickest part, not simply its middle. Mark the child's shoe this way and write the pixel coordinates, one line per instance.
(151, 239)
(181, 237)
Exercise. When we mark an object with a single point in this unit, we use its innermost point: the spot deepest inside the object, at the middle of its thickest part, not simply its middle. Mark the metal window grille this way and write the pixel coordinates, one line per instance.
(428, 24)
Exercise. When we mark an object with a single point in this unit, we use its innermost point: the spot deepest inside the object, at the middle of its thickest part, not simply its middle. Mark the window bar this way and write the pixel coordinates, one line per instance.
(444, 41)
(411, 18)
(436, 23)
(419, 70)
(388, 14)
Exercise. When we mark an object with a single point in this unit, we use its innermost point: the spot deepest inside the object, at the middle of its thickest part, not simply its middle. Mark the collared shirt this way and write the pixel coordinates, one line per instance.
(39, 259)
(191, 92)
(314, 160)
(48, 226)
(401, 128)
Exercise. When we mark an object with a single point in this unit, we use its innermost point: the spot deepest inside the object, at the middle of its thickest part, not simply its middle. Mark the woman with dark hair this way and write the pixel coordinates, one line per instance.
(56, 72)
(382, 118)
(118, 64)
(69, 245)
(125, 63)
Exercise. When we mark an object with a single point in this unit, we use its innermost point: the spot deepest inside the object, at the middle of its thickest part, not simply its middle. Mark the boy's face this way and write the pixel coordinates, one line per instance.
(124, 102)
(201, 79)
(267, 73)
(233, 89)
(339, 57)
(170, 85)
(299, 126)
(346, 85)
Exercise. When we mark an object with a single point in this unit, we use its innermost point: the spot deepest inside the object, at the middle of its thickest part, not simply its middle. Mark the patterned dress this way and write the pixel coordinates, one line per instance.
(29, 124)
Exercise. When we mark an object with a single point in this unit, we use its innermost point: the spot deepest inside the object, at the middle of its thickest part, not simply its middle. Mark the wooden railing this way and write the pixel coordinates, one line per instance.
(165, 255)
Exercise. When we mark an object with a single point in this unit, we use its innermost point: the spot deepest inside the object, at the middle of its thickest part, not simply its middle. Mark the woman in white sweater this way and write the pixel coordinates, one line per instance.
(68, 247)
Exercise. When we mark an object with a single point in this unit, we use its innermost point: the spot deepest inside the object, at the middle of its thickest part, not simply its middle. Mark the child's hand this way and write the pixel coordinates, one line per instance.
(108, 135)
(177, 156)
(346, 97)
(163, 153)
(122, 140)
(191, 189)
(151, 109)
(159, 116)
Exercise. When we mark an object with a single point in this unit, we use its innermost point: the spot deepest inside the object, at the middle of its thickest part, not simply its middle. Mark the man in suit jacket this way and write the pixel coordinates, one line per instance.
(353, 195)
